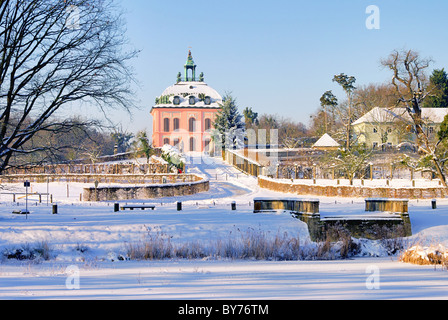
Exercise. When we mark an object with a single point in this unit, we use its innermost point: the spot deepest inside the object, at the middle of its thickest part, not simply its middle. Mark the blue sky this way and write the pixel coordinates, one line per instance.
(277, 57)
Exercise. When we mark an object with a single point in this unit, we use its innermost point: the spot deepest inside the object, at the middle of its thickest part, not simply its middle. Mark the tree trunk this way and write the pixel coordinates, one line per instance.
(440, 172)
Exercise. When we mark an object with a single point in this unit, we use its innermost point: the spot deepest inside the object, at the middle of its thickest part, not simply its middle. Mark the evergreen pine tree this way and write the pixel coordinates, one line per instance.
(228, 124)
(439, 83)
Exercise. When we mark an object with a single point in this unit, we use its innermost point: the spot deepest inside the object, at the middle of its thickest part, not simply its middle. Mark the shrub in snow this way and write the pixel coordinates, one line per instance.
(432, 255)
(247, 244)
(173, 156)
(39, 251)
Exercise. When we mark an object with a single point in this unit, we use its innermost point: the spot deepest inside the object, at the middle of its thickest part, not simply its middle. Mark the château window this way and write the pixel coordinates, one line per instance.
(207, 101)
(192, 100)
(207, 124)
(166, 141)
(192, 144)
(166, 125)
(176, 124)
(176, 100)
(192, 125)
(207, 145)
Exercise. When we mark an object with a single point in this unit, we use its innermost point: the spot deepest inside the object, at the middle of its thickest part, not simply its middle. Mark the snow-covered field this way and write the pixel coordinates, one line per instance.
(87, 244)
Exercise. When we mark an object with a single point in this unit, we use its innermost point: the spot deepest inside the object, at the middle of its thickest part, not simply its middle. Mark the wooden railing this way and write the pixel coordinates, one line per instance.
(99, 168)
(101, 178)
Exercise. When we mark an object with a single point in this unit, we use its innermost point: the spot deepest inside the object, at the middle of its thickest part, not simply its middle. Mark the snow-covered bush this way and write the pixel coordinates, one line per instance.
(431, 255)
(173, 156)
(38, 251)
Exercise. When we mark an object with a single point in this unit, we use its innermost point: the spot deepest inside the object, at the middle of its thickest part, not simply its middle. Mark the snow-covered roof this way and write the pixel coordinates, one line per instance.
(184, 90)
(378, 115)
(326, 141)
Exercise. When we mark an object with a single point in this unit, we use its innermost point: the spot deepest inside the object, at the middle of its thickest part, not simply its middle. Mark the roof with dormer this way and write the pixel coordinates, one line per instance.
(189, 92)
(389, 115)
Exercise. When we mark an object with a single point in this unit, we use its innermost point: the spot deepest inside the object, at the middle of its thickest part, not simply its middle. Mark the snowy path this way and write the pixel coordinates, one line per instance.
(217, 171)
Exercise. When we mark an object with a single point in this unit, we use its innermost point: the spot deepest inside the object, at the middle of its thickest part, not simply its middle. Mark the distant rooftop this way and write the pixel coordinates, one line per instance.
(377, 115)
(326, 141)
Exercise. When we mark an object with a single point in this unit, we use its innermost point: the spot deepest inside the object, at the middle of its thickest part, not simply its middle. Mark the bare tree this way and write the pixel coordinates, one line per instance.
(411, 84)
(56, 53)
(374, 95)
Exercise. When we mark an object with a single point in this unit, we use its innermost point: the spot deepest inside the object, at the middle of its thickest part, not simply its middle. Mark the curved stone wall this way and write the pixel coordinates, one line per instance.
(352, 191)
(147, 191)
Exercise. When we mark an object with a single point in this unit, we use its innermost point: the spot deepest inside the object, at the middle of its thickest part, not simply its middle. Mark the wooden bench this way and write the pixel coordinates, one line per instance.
(20, 212)
(137, 206)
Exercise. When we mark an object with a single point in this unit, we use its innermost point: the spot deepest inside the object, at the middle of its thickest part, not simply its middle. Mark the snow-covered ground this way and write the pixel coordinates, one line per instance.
(87, 242)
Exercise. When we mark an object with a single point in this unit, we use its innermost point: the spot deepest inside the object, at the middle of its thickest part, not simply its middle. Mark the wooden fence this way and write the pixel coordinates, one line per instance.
(243, 163)
(99, 168)
(101, 178)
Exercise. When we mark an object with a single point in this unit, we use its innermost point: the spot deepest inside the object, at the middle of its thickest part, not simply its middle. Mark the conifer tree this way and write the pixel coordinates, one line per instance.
(439, 86)
(228, 124)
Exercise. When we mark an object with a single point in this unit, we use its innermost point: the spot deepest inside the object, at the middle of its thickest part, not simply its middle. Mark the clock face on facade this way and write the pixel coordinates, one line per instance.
(207, 101)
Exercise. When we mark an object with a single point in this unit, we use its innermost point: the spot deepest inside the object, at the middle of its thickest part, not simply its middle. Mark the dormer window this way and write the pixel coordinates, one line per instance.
(192, 100)
(207, 101)
(176, 100)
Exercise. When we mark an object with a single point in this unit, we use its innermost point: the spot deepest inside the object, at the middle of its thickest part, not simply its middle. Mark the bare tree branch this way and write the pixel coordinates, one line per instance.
(46, 64)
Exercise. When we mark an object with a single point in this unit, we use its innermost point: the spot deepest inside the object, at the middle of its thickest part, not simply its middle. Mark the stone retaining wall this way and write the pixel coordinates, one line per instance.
(115, 193)
(396, 226)
(352, 191)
